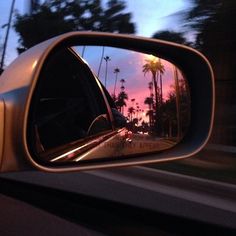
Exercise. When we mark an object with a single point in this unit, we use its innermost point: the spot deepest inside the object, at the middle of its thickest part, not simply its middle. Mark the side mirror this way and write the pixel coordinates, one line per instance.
(64, 109)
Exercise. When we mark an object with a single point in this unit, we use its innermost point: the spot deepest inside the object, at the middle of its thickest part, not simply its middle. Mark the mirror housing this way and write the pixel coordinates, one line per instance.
(19, 81)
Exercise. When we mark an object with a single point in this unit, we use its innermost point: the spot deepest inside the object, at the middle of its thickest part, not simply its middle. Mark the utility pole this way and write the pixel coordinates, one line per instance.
(7, 34)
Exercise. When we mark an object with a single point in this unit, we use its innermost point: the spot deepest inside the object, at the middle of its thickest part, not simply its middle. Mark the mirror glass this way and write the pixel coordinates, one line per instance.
(129, 103)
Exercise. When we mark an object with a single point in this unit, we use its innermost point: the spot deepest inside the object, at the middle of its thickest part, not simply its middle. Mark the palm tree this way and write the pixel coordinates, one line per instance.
(161, 72)
(133, 100)
(83, 51)
(137, 110)
(177, 102)
(122, 81)
(131, 111)
(114, 98)
(154, 66)
(100, 64)
(106, 58)
(149, 113)
(116, 71)
(170, 117)
(149, 101)
(150, 86)
(122, 96)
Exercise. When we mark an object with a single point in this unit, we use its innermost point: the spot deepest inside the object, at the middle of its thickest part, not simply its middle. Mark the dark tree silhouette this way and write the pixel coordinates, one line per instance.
(122, 81)
(161, 72)
(149, 101)
(170, 114)
(131, 112)
(172, 36)
(116, 72)
(216, 32)
(155, 67)
(121, 103)
(56, 17)
(215, 26)
(107, 59)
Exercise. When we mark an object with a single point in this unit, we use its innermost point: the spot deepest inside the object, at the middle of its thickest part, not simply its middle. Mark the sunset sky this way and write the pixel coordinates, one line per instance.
(130, 64)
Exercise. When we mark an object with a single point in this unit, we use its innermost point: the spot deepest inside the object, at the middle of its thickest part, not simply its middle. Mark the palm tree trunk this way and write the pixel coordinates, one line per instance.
(161, 88)
(100, 64)
(106, 75)
(177, 103)
(156, 97)
(115, 84)
(161, 84)
(149, 115)
(83, 51)
(160, 109)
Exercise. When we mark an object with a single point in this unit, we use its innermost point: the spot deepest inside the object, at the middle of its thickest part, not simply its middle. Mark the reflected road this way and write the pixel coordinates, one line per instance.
(120, 146)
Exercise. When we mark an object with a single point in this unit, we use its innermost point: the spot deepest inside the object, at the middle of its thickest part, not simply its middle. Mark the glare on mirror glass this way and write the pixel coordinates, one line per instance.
(69, 122)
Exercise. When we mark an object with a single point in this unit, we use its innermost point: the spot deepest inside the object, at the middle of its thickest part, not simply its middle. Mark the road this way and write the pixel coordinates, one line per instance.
(118, 146)
(147, 188)
(140, 143)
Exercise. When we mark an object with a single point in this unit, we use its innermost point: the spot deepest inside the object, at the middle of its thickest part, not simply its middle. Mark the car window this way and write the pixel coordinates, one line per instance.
(68, 106)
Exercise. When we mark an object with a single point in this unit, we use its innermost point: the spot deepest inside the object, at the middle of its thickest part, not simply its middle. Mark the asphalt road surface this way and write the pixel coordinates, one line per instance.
(119, 146)
(176, 194)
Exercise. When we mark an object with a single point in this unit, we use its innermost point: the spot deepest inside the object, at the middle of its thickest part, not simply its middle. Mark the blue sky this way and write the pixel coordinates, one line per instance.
(150, 16)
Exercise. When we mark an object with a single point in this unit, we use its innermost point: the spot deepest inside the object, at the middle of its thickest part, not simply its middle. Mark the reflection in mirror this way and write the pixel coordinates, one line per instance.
(70, 120)
(149, 92)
